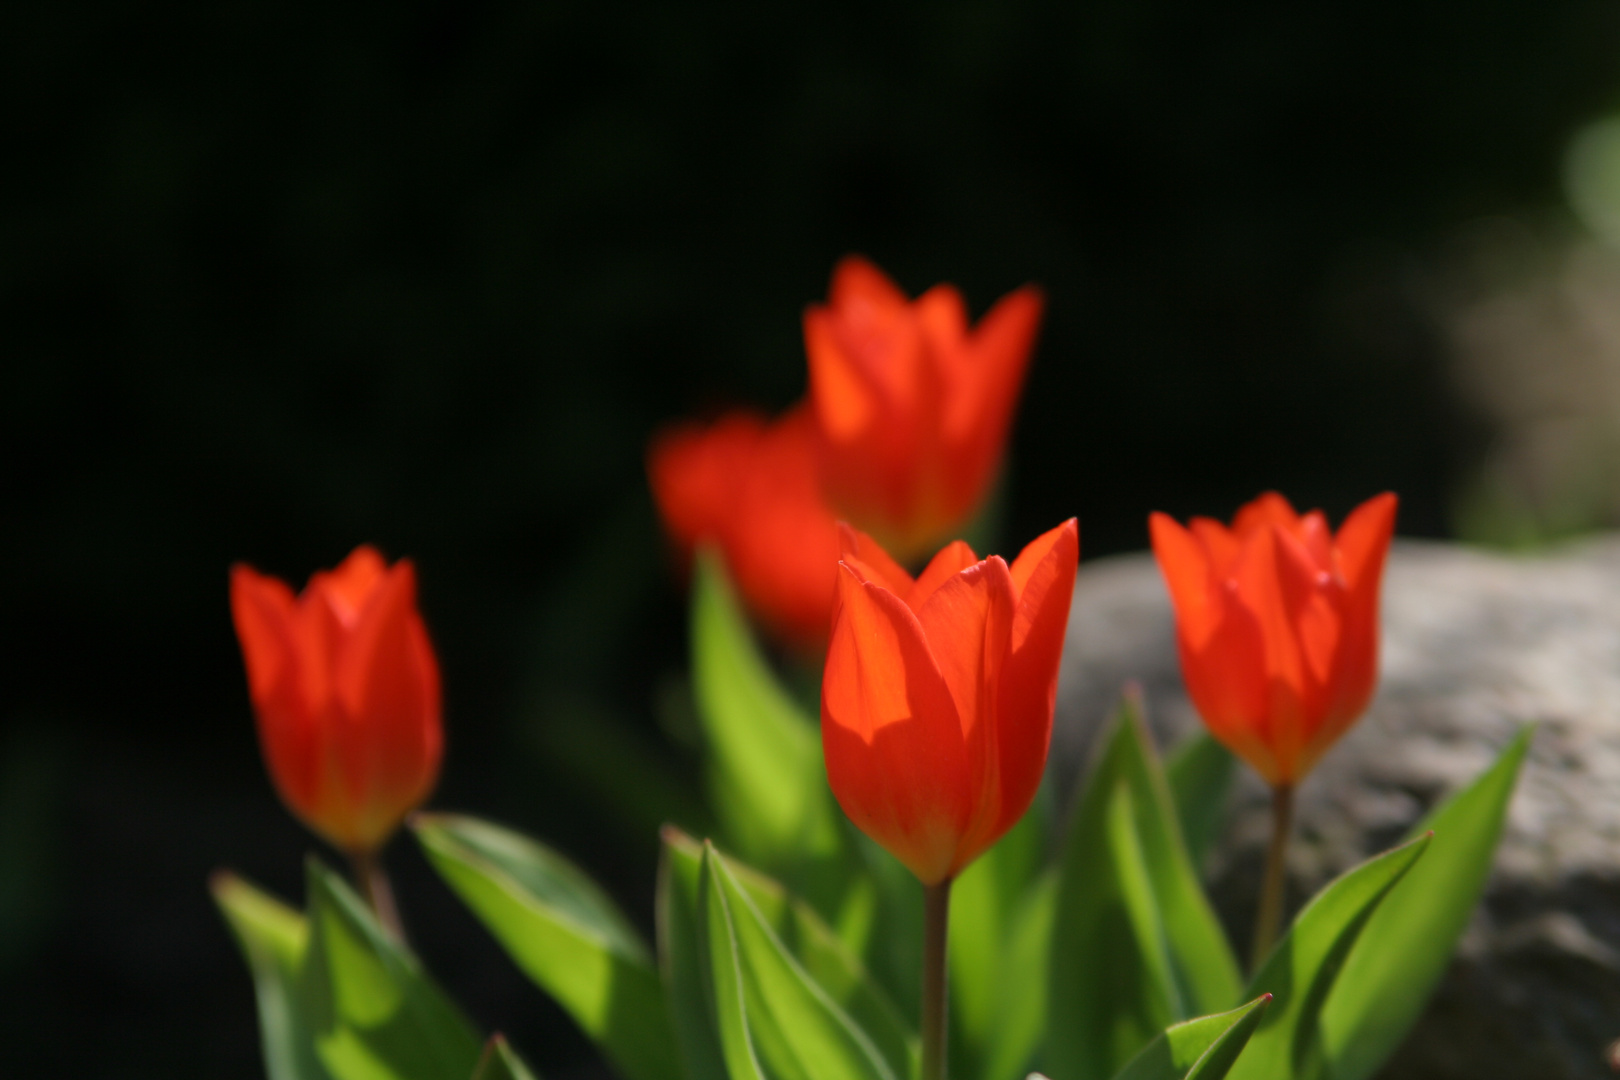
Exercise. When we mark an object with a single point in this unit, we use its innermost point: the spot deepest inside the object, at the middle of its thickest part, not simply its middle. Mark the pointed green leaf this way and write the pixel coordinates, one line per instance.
(1201, 1049)
(1136, 945)
(681, 957)
(808, 939)
(1404, 950)
(563, 932)
(376, 1013)
(773, 1019)
(763, 754)
(985, 900)
(1200, 775)
(1301, 971)
(274, 939)
(501, 1062)
(1021, 1010)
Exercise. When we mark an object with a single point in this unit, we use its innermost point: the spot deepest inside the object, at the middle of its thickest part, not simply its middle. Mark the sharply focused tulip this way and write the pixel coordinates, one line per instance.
(346, 689)
(936, 702)
(912, 404)
(1277, 625)
(749, 486)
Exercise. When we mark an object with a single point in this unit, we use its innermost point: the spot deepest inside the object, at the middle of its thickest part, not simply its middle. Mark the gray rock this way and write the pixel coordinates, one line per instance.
(1474, 645)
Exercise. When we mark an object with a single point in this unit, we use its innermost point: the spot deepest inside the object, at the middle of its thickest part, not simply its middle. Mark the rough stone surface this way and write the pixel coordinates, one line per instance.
(1475, 644)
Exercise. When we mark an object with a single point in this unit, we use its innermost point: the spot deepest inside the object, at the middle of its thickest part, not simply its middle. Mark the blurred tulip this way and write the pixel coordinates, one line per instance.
(346, 689)
(750, 487)
(911, 404)
(1277, 625)
(936, 702)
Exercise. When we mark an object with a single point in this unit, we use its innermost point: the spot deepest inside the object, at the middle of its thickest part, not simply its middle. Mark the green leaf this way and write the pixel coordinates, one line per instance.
(274, 939)
(501, 1062)
(376, 1014)
(563, 932)
(801, 931)
(1408, 942)
(1021, 1009)
(681, 957)
(1301, 971)
(1202, 1049)
(1136, 943)
(1200, 774)
(768, 786)
(773, 1019)
(985, 902)
(339, 997)
(763, 754)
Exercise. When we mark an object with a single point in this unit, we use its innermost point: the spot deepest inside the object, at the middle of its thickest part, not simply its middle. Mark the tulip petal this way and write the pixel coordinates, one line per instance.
(870, 562)
(1221, 547)
(262, 609)
(1185, 564)
(350, 585)
(952, 559)
(1269, 509)
(1044, 576)
(845, 403)
(1363, 542)
(896, 759)
(968, 623)
(857, 279)
(692, 470)
(387, 746)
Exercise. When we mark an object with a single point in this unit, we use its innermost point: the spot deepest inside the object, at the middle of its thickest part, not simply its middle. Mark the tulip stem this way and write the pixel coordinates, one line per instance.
(936, 917)
(1274, 884)
(372, 881)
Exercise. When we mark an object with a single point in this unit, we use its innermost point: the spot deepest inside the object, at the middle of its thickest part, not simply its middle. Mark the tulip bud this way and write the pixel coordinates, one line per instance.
(936, 702)
(345, 687)
(751, 488)
(912, 404)
(1277, 625)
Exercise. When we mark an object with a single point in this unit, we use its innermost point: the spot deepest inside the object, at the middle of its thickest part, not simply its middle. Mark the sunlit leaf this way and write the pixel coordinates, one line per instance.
(1201, 1049)
(564, 933)
(985, 903)
(1136, 946)
(1404, 950)
(1200, 775)
(805, 936)
(763, 754)
(772, 1018)
(274, 939)
(1301, 971)
(376, 1014)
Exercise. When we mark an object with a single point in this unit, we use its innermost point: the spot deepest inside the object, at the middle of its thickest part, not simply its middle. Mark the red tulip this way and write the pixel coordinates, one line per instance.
(936, 703)
(912, 404)
(346, 689)
(750, 487)
(1277, 625)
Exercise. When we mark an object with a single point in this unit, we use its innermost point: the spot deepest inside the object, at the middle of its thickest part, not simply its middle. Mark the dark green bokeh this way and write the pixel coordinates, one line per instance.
(275, 280)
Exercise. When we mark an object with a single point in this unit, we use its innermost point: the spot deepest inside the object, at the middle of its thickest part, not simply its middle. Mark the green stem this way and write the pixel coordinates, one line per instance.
(1272, 886)
(936, 917)
(372, 881)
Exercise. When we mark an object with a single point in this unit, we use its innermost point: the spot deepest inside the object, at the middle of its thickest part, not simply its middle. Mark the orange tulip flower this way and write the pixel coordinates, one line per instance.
(1277, 625)
(936, 703)
(751, 488)
(346, 689)
(912, 404)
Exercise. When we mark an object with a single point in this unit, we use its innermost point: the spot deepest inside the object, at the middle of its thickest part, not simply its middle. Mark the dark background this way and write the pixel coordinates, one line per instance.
(278, 279)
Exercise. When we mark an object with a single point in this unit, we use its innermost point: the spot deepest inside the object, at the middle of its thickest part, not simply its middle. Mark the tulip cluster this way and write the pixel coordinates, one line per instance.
(936, 711)
(902, 435)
